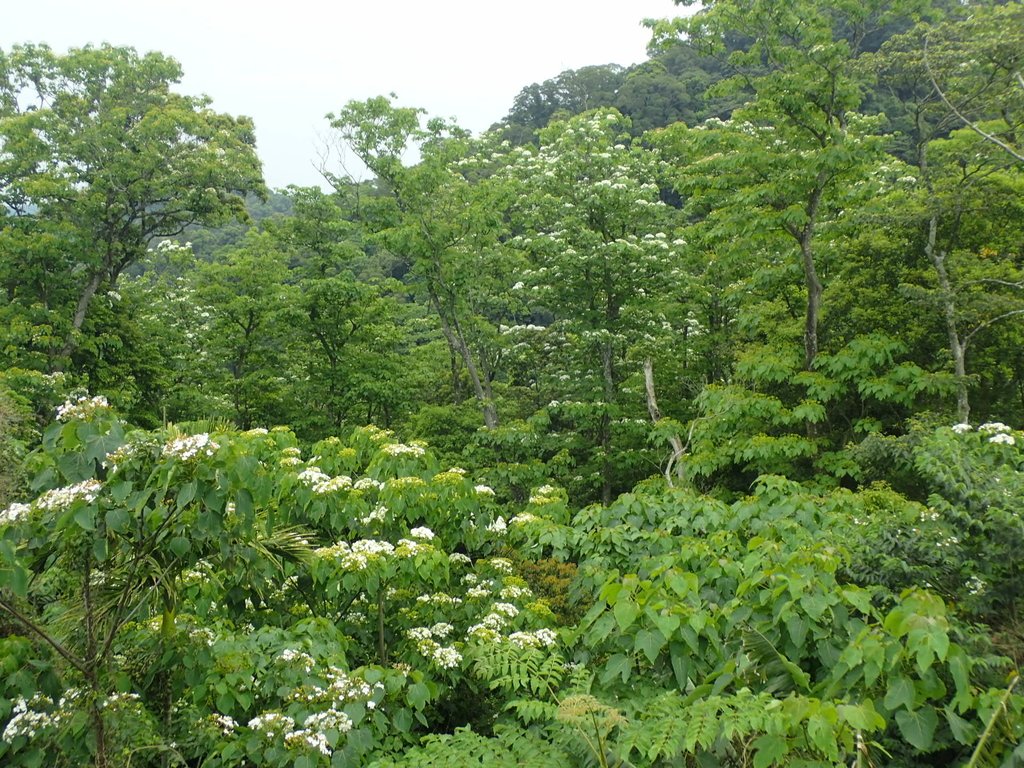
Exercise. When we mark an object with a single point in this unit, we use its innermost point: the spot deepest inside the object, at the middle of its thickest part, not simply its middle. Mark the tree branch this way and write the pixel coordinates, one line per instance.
(969, 123)
(44, 636)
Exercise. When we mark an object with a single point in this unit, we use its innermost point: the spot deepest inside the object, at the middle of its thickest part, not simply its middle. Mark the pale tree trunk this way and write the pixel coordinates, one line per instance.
(652, 408)
(957, 345)
(805, 238)
(456, 342)
(80, 312)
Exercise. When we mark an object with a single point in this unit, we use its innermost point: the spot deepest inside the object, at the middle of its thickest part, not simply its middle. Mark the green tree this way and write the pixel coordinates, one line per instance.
(778, 164)
(599, 255)
(444, 216)
(101, 156)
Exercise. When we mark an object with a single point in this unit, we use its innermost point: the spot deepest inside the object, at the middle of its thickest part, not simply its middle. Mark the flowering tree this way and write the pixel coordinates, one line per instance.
(100, 156)
(598, 251)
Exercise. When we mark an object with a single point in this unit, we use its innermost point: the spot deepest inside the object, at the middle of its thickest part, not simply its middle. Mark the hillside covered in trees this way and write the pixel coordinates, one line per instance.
(674, 421)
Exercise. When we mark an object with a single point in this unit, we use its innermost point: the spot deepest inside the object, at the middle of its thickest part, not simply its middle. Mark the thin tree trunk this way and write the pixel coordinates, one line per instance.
(652, 408)
(957, 346)
(80, 312)
(458, 343)
(606, 422)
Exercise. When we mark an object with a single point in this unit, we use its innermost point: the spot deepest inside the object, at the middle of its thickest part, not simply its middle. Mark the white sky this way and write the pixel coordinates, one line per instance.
(288, 63)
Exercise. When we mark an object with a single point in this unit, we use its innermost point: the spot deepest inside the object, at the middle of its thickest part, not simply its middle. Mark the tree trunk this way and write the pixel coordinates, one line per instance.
(652, 407)
(814, 289)
(481, 389)
(606, 422)
(80, 311)
(957, 346)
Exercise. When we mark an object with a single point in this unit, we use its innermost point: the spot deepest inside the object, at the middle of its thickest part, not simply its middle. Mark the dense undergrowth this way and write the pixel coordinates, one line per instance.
(198, 595)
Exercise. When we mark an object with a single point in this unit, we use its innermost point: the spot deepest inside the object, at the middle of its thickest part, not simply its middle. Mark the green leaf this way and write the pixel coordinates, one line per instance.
(186, 493)
(626, 612)
(117, 519)
(99, 549)
(770, 749)
(918, 726)
(619, 665)
(861, 717)
(667, 624)
(85, 517)
(418, 695)
(244, 505)
(650, 643)
(179, 545)
(900, 693)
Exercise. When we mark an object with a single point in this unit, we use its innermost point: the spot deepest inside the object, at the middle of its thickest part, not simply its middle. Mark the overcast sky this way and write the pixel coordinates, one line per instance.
(288, 63)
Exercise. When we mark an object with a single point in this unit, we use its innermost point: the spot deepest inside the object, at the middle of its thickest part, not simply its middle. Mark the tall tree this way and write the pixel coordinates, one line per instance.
(441, 215)
(789, 150)
(95, 144)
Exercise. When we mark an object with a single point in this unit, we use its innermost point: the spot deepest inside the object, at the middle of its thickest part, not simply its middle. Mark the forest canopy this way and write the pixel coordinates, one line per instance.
(675, 420)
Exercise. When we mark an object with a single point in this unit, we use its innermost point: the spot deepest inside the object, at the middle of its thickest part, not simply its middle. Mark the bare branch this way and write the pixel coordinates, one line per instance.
(987, 323)
(969, 123)
(44, 636)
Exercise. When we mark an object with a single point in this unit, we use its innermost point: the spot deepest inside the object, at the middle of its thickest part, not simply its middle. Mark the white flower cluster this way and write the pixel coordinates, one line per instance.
(16, 512)
(422, 533)
(304, 659)
(458, 557)
(410, 548)
(400, 449)
(544, 495)
(501, 565)
(306, 738)
(541, 638)
(272, 724)
(129, 450)
(358, 555)
(340, 688)
(514, 592)
(523, 518)
(993, 427)
(29, 718)
(366, 483)
(376, 516)
(188, 447)
(322, 483)
(81, 407)
(1003, 439)
(227, 725)
(489, 628)
(62, 498)
(505, 609)
(439, 598)
(484, 490)
(445, 657)
(499, 526)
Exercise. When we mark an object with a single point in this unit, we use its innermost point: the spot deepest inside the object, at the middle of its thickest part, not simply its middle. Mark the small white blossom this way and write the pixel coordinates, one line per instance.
(188, 447)
(62, 498)
(82, 407)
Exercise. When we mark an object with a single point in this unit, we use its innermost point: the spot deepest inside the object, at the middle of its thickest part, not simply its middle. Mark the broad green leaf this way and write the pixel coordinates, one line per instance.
(770, 750)
(918, 726)
(899, 693)
(626, 612)
(650, 643)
